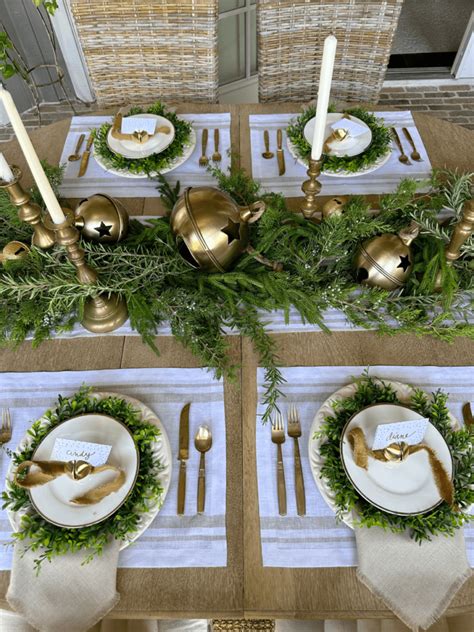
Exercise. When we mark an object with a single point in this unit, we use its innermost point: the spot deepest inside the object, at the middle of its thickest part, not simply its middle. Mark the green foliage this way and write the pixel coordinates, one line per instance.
(441, 520)
(40, 295)
(50, 5)
(50, 540)
(156, 162)
(379, 146)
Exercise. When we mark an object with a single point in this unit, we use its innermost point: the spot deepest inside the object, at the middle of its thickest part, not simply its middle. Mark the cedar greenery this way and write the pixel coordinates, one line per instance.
(379, 146)
(156, 162)
(50, 540)
(40, 295)
(441, 520)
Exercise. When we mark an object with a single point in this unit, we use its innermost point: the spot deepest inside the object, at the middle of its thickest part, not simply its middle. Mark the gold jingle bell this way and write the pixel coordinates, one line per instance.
(101, 218)
(78, 469)
(334, 206)
(396, 451)
(13, 251)
(386, 261)
(211, 229)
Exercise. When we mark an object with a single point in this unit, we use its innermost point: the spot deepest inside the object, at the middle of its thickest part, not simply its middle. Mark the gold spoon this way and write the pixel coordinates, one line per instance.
(402, 157)
(202, 443)
(76, 155)
(415, 154)
(267, 154)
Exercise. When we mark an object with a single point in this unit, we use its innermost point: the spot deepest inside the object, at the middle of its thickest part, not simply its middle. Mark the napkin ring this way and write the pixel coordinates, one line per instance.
(47, 471)
(399, 452)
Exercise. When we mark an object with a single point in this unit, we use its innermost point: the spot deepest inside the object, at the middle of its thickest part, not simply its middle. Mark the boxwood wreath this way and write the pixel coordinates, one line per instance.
(154, 163)
(379, 146)
(441, 520)
(40, 295)
(50, 540)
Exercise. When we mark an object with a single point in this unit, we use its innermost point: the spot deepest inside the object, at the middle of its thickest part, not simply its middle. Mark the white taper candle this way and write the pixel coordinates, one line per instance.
(325, 79)
(31, 158)
(6, 174)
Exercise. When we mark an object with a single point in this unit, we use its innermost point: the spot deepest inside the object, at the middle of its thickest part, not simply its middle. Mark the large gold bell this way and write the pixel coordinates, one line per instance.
(386, 261)
(211, 229)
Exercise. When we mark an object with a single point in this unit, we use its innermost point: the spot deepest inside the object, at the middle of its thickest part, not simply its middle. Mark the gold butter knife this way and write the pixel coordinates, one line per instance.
(280, 154)
(183, 456)
(85, 156)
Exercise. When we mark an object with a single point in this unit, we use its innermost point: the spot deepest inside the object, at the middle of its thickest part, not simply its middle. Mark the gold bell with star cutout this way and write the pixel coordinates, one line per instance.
(212, 230)
(386, 261)
(101, 218)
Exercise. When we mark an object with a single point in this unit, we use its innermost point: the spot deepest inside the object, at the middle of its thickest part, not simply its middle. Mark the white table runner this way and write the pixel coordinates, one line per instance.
(383, 180)
(316, 540)
(97, 180)
(171, 541)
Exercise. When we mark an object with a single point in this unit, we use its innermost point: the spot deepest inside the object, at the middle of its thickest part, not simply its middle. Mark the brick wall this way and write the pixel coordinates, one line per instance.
(452, 102)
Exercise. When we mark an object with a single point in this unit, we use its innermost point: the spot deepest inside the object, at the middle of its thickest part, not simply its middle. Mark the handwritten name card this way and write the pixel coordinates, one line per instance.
(70, 450)
(411, 432)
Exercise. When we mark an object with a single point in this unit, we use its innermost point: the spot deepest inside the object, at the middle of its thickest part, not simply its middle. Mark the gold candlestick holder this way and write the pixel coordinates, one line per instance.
(28, 211)
(311, 188)
(461, 233)
(102, 313)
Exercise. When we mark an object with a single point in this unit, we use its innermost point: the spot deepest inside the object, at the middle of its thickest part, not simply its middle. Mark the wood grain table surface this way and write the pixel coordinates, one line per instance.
(245, 588)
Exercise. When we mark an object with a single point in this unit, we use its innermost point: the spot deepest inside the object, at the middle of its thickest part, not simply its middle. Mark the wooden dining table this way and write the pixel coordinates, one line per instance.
(245, 588)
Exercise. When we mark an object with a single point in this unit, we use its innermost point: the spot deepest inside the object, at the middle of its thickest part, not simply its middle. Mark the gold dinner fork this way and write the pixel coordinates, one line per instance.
(204, 160)
(294, 431)
(6, 427)
(216, 156)
(278, 437)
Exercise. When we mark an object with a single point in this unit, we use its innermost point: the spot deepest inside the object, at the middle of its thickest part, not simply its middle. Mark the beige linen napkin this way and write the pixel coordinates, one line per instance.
(66, 595)
(417, 582)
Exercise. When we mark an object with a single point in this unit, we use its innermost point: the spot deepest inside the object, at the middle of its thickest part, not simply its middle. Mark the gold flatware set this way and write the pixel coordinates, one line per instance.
(216, 156)
(403, 158)
(202, 443)
(268, 155)
(278, 437)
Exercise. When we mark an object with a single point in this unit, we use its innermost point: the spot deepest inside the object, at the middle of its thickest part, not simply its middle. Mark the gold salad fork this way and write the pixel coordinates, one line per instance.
(6, 427)
(278, 437)
(294, 431)
(216, 156)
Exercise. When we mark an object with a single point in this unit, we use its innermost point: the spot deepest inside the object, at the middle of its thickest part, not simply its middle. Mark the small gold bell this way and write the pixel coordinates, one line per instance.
(14, 250)
(396, 451)
(78, 469)
(101, 218)
(334, 206)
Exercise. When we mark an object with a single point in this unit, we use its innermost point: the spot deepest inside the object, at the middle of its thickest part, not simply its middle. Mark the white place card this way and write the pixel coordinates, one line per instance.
(130, 125)
(411, 432)
(70, 450)
(353, 128)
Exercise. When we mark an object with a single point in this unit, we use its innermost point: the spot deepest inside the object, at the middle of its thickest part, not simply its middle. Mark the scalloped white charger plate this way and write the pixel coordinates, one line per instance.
(161, 450)
(316, 460)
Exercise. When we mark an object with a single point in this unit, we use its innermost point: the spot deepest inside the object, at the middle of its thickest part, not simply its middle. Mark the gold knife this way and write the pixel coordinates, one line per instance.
(280, 154)
(85, 156)
(183, 456)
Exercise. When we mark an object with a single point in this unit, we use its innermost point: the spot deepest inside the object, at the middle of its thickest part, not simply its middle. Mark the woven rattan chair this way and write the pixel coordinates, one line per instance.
(290, 43)
(138, 51)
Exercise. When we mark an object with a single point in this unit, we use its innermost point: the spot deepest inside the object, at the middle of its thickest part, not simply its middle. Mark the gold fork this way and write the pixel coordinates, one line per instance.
(278, 437)
(216, 157)
(6, 427)
(294, 431)
(467, 414)
(204, 160)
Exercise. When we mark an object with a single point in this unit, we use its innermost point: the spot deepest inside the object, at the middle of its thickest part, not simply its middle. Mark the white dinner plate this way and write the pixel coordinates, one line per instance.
(53, 501)
(161, 449)
(155, 145)
(404, 488)
(316, 460)
(173, 164)
(348, 147)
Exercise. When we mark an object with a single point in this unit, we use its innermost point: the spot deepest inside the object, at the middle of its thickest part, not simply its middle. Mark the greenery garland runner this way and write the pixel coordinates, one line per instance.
(379, 146)
(40, 295)
(154, 163)
(441, 520)
(50, 540)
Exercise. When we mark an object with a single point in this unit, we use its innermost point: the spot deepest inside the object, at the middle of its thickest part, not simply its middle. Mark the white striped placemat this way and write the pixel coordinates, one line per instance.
(171, 541)
(97, 180)
(383, 180)
(317, 540)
